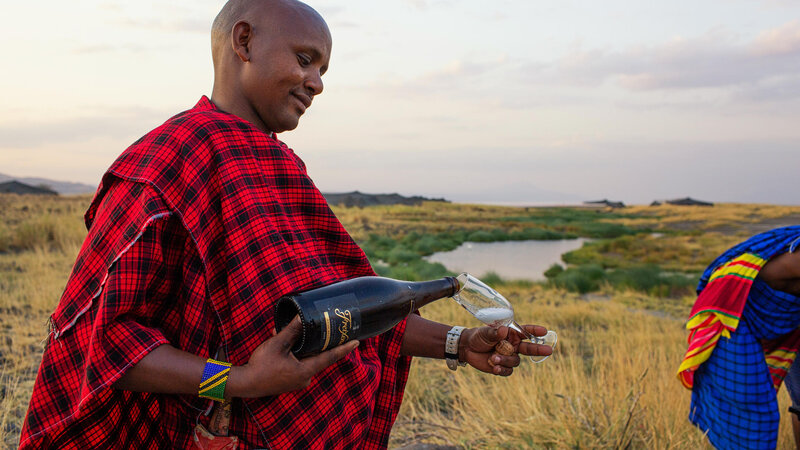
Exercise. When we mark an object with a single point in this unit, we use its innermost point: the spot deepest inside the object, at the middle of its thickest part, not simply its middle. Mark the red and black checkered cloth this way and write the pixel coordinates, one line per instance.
(195, 231)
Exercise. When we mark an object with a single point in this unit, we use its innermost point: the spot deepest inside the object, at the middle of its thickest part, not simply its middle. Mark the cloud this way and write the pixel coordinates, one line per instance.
(175, 16)
(111, 123)
(716, 60)
(449, 80)
(427, 4)
(108, 48)
(185, 25)
(774, 89)
(718, 66)
(784, 40)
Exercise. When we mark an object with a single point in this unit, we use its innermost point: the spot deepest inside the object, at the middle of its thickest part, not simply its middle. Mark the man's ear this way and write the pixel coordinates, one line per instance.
(241, 34)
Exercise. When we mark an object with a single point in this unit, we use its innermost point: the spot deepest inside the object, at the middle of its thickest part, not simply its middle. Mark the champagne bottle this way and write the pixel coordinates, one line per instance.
(355, 309)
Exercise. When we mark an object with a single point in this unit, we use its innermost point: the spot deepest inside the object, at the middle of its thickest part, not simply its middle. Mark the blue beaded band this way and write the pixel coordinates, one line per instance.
(215, 376)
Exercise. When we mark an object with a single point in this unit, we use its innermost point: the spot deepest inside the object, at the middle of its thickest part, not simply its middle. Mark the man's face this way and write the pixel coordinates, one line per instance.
(288, 56)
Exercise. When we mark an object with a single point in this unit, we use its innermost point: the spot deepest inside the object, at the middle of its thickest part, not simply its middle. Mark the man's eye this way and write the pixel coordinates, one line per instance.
(304, 60)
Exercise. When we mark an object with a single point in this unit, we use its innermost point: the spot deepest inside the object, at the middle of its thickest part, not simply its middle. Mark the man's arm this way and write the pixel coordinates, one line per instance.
(271, 370)
(427, 339)
(782, 273)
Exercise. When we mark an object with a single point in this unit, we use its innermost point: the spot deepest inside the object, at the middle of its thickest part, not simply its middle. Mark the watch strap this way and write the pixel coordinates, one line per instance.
(451, 348)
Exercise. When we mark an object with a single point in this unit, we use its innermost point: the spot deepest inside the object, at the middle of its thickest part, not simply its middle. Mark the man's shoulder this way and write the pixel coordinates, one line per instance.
(189, 131)
(199, 123)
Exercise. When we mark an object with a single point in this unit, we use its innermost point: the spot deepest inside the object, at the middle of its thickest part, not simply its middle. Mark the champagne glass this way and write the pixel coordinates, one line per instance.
(491, 308)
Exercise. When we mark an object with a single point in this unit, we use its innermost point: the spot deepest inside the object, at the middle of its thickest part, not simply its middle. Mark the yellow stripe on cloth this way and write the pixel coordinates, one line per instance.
(700, 353)
(692, 361)
(717, 317)
(712, 341)
(728, 322)
(734, 268)
(782, 354)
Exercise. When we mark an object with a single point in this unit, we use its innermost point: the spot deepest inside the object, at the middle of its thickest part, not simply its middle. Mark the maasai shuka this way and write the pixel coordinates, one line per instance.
(205, 221)
(743, 339)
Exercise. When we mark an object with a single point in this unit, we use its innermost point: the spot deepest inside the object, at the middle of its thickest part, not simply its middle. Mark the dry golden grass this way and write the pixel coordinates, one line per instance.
(432, 217)
(31, 284)
(729, 216)
(611, 383)
(678, 253)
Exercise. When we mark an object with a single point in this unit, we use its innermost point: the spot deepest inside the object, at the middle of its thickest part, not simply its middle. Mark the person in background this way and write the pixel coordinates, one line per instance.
(163, 337)
(743, 339)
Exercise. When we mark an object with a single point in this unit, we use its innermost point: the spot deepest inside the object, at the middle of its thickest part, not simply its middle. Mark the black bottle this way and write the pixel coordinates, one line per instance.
(355, 309)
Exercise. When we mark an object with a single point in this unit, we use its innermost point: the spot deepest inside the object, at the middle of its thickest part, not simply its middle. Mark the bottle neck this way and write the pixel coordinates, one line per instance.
(428, 291)
(455, 286)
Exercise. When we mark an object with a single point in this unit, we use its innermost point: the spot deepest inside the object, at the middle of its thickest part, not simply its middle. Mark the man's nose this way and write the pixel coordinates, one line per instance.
(314, 83)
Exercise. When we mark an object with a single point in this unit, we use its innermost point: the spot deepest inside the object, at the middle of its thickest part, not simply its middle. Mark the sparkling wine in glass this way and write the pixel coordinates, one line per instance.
(491, 308)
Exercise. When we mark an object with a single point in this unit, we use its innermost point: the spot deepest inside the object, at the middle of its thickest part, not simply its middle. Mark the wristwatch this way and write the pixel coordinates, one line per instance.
(451, 348)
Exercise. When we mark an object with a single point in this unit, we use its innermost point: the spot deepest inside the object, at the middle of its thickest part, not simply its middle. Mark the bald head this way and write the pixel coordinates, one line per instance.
(269, 57)
(251, 11)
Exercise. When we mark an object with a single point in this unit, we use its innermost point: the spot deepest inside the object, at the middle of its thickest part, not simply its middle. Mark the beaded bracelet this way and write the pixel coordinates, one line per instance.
(215, 376)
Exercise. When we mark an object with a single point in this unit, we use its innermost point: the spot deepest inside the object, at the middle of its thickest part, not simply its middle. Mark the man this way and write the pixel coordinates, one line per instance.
(194, 232)
(743, 339)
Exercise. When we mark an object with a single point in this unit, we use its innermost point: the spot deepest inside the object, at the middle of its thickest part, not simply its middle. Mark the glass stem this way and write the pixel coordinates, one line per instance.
(535, 339)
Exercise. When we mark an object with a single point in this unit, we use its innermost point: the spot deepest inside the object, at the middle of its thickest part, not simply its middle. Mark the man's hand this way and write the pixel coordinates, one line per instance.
(273, 369)
(477, 346)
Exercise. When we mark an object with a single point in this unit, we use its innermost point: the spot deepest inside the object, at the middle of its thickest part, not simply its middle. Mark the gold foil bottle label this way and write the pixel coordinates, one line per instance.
(327, 330)
(346, 326)
(339, 320)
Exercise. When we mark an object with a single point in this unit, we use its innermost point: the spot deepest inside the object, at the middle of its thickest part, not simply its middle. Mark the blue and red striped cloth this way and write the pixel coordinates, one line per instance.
(743, 339)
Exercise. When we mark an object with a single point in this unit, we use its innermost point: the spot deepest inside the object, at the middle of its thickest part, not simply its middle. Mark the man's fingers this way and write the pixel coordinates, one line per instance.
(530, 349)
(317, 363)
(535, 330)
(490, 336)
(502, 371)
(507, 361)
(289, 334)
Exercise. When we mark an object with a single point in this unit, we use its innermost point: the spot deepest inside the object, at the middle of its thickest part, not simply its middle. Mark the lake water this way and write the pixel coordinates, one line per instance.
(511, 259)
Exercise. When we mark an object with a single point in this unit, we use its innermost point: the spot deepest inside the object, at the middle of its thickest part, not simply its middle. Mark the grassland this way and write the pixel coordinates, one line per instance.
(611, 383)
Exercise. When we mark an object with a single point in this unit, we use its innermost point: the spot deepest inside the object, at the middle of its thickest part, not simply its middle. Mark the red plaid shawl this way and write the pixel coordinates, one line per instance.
(255, 228)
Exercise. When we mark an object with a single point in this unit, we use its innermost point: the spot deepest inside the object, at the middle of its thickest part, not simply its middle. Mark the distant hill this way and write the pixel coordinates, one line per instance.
(354, 198)
(15, 187)
(361, 199)
(61, 187)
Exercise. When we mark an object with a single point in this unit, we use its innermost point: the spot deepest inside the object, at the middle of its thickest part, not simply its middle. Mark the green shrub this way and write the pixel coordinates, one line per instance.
(576, 281)
(582, 279)
(653, 280)
(377, 247)
(539, 234)
(399, 255)
(604, 230)
(492, 279)
(480, 236)
(418, 270)
(553, 271)
(648, 278)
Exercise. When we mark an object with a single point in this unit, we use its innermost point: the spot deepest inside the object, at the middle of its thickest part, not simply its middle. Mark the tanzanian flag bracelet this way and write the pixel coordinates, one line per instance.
(215, 376)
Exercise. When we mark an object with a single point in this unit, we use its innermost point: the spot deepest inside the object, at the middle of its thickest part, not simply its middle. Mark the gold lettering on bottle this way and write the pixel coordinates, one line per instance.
(345, 326)
(327, 330)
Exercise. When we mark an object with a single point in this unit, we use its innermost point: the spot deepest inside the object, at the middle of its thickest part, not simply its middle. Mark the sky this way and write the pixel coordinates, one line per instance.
(521, 102)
